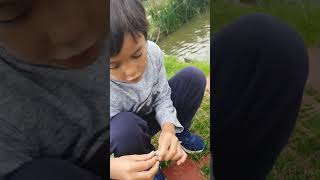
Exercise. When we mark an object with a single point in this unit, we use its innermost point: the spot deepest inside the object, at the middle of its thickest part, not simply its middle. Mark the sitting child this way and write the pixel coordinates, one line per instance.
(142, 100)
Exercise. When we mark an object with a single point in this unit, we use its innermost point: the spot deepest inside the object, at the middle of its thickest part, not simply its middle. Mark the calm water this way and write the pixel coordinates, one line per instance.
(191, 41)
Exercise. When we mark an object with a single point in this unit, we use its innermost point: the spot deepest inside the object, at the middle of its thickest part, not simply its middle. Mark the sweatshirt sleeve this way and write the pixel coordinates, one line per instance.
(14, 149)
(113, 111)
(114, 101)
(163, 105)
(114, 104)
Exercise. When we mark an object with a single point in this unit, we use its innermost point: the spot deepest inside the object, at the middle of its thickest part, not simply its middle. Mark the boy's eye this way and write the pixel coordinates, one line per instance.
(113, 65)
(136, 56)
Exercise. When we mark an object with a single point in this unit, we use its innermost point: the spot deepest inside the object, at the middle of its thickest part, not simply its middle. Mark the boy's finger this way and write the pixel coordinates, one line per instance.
(141, 157)
(154, 169)
(183, 158)
(172, 150)
(178, 154)
(147, 175)
(163, 148)
(144, 165)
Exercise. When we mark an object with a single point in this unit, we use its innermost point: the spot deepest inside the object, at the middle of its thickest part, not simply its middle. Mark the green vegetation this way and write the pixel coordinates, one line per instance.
(168, 15)
(300, 158)
(173, 65)
(303, 15)
(206, 171)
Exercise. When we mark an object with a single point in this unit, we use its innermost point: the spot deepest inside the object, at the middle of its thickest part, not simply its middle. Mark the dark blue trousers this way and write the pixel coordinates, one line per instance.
(260, 67)
(131, 134)
(52, 169)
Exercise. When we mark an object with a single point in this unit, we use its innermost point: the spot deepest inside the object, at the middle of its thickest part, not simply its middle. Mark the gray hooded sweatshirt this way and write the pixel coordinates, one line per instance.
(51, 112)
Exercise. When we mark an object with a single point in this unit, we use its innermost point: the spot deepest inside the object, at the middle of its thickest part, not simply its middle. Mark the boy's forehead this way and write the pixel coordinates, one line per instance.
(130, 46)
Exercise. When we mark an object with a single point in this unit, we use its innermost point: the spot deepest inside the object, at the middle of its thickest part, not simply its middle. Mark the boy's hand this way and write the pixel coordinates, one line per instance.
(169, 145)
(134, 167)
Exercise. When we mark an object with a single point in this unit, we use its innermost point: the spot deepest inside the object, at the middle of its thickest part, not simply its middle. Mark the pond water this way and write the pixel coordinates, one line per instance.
(191, 41)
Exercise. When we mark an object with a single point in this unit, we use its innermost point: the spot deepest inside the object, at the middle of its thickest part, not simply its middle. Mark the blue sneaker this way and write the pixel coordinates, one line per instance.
(191, 143)
(160, 175)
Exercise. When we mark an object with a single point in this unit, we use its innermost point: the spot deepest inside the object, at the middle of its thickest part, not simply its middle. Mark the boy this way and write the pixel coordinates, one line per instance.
(52, 92)
(142, 101)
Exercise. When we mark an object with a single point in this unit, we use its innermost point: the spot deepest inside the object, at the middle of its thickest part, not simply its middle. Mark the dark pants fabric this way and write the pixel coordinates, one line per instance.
(57, 169)
(260, 67)
(53, 169)
(131, 134)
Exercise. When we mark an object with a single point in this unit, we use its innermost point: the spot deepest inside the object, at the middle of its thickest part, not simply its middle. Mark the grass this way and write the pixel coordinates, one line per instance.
(206, 170)
(173, 64)
(300, 158)
(303, 17)
(201, 121)
(310, 91)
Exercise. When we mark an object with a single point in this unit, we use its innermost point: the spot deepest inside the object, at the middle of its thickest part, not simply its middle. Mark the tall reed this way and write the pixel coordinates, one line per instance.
(169, 15)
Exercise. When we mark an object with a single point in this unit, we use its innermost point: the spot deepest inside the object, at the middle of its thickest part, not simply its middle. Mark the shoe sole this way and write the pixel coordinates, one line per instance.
(191, 152)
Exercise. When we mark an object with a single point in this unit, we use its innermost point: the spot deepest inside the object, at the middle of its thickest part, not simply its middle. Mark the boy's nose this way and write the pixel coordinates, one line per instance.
(131, 78)
(131, 75)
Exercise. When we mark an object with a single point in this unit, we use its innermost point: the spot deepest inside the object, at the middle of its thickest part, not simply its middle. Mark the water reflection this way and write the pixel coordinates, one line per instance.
(191, 41)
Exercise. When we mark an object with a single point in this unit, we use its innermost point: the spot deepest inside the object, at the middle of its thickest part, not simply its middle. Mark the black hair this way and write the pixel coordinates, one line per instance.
(126, 16)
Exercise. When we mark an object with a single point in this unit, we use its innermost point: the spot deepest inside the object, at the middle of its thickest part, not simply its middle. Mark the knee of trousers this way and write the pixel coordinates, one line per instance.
(279, 46)
(197, 77)
(128, 132)
(274, 36)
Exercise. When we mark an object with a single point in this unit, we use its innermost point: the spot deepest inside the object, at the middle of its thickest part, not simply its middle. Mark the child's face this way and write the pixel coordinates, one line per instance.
(62, 33)
(128, 66)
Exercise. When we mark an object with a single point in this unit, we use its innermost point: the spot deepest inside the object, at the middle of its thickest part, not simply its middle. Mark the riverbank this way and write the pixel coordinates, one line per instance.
(169, 15)
(173, 64)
